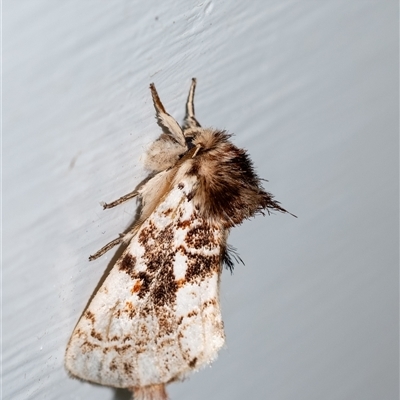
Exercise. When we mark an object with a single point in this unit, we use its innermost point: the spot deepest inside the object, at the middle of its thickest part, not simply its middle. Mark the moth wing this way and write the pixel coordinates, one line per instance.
(157, 316)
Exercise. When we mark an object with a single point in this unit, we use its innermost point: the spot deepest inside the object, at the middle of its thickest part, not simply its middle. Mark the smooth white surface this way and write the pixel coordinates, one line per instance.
(309, 88)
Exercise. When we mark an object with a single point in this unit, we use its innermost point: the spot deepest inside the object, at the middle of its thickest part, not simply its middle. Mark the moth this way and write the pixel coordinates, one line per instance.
(156, 318)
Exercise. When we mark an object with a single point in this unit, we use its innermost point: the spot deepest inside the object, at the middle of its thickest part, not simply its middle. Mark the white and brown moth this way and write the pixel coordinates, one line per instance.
(156, 317)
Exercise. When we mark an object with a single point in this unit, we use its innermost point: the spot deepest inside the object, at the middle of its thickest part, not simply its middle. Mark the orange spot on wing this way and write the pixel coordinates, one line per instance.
(181, 282)
(136, 287)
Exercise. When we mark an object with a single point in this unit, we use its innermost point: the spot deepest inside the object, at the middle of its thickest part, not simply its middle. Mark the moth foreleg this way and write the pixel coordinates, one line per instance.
(107, 247)
(120, 200)
(123, 237)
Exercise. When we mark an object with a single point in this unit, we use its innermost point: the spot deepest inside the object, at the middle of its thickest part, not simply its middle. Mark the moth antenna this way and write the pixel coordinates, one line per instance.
(190, 120)
(167, 123)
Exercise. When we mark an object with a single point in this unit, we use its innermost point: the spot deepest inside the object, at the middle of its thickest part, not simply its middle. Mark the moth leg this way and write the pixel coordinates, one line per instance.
(190, 120)
(107, 247)
(168, 124)
(120, 200)
(123, 237)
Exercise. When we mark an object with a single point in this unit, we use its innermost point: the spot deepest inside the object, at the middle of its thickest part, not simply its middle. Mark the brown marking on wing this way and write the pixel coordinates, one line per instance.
(181, 282)
(128, 264)
(168, 212)
(128, 368)
(159, 278)
(200, 266)
(130, 309)
(145, 280)
(192, 313)
(78, 332)
(144, 330)
(211, 302)
(113, 365)
(122, 349)
(96, 335)
(88, 347)
(190, 195)
(193, 362)
(90, 316)
(201, 237)
(184, 224)
(136, 287)
(181, 249)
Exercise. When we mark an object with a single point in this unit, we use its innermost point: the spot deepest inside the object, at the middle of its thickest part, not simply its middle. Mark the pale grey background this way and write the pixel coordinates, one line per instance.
(310, 88)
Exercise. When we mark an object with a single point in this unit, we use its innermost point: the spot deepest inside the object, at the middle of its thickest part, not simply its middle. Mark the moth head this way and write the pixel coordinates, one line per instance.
(174, 142)
(168, 148)
(163, 154)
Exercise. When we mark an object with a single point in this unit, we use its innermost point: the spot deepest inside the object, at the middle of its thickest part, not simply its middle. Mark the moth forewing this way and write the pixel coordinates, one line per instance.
(156, 316)
(149, 325)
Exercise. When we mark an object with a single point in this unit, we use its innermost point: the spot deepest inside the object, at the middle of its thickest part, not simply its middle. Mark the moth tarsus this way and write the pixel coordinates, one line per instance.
(120, 200)
(156, 317)
(122, 237)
